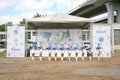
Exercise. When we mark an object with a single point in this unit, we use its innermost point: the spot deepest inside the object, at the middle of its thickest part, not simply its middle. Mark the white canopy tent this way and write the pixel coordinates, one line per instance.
(99, 33)
(59, 21)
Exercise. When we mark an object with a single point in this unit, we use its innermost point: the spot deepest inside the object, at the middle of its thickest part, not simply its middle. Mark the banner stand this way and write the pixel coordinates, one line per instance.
(101, 36)
(15, 41)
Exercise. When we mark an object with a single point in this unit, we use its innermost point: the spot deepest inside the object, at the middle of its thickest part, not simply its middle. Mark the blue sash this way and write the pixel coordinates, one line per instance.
(76, 48)
(69, 49)
(33, 47)
(98, 48)
(40, 47)
(62, 49)
(89, 49)
(55, 48)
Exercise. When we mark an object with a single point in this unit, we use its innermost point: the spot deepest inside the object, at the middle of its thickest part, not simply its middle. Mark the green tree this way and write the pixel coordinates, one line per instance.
(37, 15)
(23, 21)
(2, 26)
(30, 27)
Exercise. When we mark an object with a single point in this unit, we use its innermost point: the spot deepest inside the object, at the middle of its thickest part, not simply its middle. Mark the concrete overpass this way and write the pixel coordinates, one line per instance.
(92, 8)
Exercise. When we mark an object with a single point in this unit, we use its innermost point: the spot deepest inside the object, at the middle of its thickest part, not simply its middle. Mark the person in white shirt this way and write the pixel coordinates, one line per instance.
(99, 50)
(83, 52)
(69, 52)
(40, 52)
(49, 52)
(90, 53)
(55, 51)
(76, 52)
(32, 50)
(62, 52)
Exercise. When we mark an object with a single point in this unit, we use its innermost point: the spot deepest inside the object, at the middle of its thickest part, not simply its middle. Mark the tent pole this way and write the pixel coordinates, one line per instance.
(26, 37)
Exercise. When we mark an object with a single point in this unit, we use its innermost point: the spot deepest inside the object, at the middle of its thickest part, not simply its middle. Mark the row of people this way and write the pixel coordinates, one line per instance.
(56, 48)
(89, 53)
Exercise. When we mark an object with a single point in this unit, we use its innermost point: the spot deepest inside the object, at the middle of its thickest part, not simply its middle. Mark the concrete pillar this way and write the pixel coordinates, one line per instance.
(110, 9)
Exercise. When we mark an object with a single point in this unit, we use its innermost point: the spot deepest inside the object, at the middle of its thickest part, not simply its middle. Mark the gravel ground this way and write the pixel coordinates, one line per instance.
(100, 71)
(25, 69)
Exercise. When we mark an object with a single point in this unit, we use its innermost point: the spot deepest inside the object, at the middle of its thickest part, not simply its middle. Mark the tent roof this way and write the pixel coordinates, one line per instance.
(58, 21)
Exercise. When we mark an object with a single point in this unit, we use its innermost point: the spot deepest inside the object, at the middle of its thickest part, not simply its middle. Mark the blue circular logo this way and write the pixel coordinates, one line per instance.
(101, 39)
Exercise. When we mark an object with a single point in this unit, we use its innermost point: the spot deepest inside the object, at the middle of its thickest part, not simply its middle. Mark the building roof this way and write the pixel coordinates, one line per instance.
(91, 8)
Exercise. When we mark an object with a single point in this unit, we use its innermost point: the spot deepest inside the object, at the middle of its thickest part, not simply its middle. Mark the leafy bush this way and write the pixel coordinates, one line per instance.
(2, 54)
(117, 51)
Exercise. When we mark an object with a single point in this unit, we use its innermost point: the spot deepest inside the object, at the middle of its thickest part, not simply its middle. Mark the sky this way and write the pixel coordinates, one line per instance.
(16, 10)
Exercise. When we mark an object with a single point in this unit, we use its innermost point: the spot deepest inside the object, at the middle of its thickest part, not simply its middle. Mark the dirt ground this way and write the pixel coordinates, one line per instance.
(25, 69)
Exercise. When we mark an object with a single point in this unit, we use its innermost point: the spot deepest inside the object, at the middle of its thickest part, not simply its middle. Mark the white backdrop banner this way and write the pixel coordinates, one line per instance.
(101, 37)
(59, 36)
(15, 41)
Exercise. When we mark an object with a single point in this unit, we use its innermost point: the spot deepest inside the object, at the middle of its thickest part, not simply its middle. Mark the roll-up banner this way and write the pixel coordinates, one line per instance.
(15, 41)
(101, 37)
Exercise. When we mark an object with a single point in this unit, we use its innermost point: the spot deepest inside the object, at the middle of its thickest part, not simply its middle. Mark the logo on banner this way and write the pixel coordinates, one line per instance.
(101, 39)
(14, 49)
(15, 31)
(100, 31)
(15, 39)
